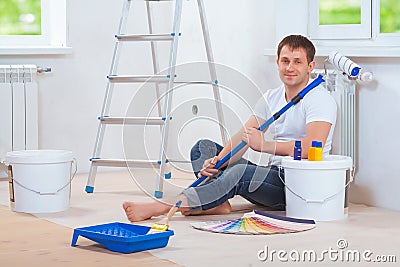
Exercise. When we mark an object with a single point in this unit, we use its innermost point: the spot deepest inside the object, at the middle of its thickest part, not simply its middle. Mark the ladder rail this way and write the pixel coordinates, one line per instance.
(168, 97)
(115, 59)
(213, 71)
(154, 57)
(156, 71)
(107, 98)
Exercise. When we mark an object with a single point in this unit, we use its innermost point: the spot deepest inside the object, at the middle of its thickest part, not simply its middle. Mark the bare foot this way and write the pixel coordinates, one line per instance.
(224, 208)
(142, 211)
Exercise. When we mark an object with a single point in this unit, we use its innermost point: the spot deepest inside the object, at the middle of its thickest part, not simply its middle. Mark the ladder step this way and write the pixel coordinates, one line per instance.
(125, 163)
(138, 78)
(179, 161)
(132, 120)
(145, 37)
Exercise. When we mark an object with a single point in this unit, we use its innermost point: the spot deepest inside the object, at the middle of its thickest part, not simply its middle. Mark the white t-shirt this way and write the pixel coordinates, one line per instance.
(317, 105)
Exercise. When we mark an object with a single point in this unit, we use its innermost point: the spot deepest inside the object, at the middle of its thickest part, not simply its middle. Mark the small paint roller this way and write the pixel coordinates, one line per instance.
(161, 227)
(344, 64)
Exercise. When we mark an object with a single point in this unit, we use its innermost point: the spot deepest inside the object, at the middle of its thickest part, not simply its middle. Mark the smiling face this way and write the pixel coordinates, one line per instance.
(294, 68)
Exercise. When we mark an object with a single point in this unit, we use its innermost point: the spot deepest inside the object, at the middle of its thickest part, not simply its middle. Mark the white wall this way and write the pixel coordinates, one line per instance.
(70, 98)
(377, 181)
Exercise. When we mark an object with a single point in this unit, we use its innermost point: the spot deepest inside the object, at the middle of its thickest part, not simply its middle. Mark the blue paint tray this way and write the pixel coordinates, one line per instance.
(122, 237)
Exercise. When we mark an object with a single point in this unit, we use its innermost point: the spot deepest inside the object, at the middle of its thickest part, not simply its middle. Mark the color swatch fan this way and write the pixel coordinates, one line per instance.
(257, 223)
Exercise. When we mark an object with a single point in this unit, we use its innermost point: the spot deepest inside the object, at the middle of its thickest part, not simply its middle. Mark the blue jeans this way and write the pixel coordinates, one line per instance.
(258, 184)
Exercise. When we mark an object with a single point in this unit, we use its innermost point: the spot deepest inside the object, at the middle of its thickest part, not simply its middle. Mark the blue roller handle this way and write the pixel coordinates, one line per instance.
(274, 117)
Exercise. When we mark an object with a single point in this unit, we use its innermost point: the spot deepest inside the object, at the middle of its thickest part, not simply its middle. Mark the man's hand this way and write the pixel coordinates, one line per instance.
(208, 167)
(254, 138)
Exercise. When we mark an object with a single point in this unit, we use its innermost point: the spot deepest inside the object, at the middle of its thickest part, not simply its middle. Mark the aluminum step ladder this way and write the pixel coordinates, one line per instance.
(113, 78)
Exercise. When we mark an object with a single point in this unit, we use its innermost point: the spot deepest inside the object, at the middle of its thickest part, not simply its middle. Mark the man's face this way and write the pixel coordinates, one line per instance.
(294, 70)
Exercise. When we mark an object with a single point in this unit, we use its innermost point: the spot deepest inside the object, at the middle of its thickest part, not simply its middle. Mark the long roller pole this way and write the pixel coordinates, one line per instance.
(273, 118)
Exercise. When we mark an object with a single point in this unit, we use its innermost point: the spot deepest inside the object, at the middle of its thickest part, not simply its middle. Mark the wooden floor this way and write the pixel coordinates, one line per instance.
(44, 239)
(26, 240)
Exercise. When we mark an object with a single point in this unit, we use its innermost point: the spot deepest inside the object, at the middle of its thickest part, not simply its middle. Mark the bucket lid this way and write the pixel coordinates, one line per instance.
(38, 156)
(328, 162)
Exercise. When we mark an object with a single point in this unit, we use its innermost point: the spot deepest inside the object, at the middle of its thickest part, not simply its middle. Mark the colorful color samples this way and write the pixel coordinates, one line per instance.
(257, 223)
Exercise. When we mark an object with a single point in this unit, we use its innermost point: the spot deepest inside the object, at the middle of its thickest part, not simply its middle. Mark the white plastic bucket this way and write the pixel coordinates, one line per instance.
(40, 180)
(316, 189)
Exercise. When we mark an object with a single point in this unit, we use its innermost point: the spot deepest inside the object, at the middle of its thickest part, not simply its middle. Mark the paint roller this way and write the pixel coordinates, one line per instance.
(344, 64)
(347, 66)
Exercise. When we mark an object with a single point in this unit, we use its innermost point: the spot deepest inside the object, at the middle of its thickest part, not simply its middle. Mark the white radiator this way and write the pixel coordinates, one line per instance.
(343, 91)
(18, 108)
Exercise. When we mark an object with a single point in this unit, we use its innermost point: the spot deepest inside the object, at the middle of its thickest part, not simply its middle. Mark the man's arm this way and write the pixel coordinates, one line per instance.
(316, 130)
(253, 122)
(208, 167)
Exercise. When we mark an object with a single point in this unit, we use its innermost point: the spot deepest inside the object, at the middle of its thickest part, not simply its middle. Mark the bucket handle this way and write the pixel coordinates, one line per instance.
(352, 172)
(72, 176)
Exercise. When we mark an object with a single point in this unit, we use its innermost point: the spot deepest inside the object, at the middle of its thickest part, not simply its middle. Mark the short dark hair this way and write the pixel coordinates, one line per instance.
(298, 41)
